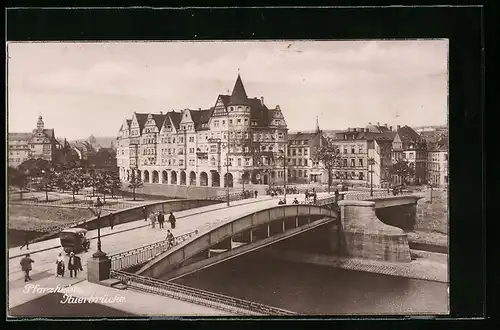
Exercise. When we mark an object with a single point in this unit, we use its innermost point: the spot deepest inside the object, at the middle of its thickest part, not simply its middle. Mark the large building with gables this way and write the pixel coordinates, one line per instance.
(41, 143)
(237, 140)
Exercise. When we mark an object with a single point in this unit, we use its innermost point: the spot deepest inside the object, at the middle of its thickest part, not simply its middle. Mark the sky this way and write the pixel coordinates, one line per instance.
(90, 88)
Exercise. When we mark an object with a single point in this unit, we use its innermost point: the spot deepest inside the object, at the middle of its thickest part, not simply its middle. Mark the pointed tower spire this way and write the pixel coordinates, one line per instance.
(317, 125)
(40, 124)
(239, 95)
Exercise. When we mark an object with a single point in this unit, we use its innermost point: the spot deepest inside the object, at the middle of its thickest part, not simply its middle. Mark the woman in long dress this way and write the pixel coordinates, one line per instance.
(60, 265)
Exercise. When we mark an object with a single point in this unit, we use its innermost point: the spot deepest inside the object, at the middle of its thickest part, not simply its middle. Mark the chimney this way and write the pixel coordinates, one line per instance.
(378, 124)
(262, 100)
(354, 130)
(385, 125)
(369, 123)
(161, 112)
(390, 127)
(399, 126)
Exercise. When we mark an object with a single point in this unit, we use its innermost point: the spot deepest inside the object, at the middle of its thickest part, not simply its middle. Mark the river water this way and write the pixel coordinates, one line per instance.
(318, 290)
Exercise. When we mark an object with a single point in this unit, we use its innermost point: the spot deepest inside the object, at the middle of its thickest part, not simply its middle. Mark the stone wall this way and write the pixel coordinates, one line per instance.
(365, 236)
(136, 213)
(190, 191)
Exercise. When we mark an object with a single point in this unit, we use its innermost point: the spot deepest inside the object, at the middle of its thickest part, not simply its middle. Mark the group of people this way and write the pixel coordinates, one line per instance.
(159, 217)
(311, 194)
(74, 266)
(249, 194)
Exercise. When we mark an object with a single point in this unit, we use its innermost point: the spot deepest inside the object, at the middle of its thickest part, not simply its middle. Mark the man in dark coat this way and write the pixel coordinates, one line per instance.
(255, 193)
(111, 220)
(26, 241)
(74, 264)
(336, 195)
(161, 219)
(145, 213)
(26, 267)
(172, 220)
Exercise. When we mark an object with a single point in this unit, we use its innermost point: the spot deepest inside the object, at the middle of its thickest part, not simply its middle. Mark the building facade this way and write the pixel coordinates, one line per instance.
(437, 162)
(409, 146)
(301, 162)
(365, 156)
(39, 144)
(237, 140)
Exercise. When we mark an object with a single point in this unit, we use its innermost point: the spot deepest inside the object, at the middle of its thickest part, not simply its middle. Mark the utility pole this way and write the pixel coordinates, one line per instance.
(284, 170)
(371, 161)
(227, 163)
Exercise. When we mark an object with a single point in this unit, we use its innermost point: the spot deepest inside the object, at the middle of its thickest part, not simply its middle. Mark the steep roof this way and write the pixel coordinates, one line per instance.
(129, 121)
(159, 119)
(408, 135)
(239, 95)
(441, 144)
(301, 136)
(141, 119)
(175, 117)
(259, 112)
(19, 136)
(201, 117)
(49, 132)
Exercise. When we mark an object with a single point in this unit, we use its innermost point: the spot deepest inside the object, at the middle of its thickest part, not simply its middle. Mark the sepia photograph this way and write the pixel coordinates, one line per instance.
(295, 177)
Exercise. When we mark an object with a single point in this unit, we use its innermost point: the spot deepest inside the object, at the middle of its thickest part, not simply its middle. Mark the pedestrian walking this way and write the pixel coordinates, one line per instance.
(255, 193)
(26, 267)
(315, 197)
(74, 264)
(172, 220)
(145, 213)
(111, 220)
(170, 239)
(306, 195)
(337, 195)
(60, 265)
(295, 201)
(26, 241)
(161, 219)
(152, 219)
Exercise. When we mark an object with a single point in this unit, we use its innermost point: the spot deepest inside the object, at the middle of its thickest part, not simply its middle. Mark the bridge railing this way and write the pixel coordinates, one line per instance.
(143, 254)
(200, 297)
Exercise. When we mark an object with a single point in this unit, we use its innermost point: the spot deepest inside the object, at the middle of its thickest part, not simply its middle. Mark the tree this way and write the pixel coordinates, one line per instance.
(47, 182)
(73, 180)
(103, 183)
(115, 182)
(329, 155)
(135, 183)
(17, 179)
(403, 169)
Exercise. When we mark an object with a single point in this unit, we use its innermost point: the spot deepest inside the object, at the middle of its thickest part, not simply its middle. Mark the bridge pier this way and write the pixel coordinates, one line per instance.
(365, 236)
(401, 216)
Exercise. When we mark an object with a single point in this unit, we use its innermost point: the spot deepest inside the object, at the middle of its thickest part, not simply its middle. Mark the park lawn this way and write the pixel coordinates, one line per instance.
(31, 217)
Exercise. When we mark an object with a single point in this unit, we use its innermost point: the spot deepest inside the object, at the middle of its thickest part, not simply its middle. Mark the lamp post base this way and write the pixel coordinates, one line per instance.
(98, 268)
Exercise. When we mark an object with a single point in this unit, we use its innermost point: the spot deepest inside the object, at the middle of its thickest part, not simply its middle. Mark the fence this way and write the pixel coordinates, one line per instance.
(196, 296)
(138, 256)
(69, 203)
(365, 195)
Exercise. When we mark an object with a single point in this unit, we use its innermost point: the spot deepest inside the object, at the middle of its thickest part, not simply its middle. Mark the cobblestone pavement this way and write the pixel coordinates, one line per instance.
(425, 268)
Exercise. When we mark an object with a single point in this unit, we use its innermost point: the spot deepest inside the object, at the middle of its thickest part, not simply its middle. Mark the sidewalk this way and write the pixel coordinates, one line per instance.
(54, 243)
(143, 304)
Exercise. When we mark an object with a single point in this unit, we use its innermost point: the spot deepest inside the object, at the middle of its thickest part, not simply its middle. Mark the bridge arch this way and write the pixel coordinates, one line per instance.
(262, 228)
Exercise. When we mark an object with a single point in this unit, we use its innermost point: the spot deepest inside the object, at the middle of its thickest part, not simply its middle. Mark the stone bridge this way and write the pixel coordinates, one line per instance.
(236, 237)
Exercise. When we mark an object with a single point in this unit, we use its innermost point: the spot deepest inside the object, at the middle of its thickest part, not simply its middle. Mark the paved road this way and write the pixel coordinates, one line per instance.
(125, 237)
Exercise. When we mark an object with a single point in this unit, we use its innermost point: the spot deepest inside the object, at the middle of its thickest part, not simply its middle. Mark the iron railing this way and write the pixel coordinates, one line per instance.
(143, 254)
(196, 296)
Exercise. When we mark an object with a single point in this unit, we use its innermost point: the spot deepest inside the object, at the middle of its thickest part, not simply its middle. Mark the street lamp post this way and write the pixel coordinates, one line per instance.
(283, 156)
(45, 176)
(99, 266)
(371, 161)
(98, 209)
